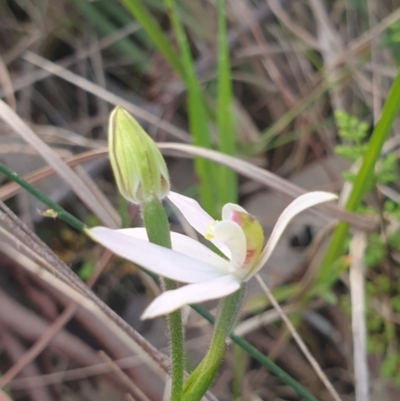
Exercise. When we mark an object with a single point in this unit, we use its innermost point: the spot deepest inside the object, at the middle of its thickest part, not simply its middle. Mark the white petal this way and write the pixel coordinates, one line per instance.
(229, 208)
(162, 261)
(300, 204)
(197, 217)
(186, 245)
(232, 235)
(189, 294)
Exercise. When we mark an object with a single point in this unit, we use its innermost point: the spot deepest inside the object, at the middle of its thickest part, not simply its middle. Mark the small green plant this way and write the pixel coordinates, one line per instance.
(391, 40)
(355, 134)
(380, 289)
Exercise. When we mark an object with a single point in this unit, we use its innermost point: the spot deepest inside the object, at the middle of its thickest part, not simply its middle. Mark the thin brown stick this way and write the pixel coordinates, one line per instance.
(299, 340)
(139, 395)
(53, 329)
(255, 173)
(106, 95)
(62, 169)
(15, 350)
(42, 342)
(357, 292)
(73, 374)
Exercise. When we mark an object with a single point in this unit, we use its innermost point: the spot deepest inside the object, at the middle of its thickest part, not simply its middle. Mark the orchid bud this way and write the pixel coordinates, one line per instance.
(139, 168)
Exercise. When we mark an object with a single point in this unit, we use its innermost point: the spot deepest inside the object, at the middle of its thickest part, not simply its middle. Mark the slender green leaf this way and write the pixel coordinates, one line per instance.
(227, 179)
(197, 114)
(152, 28)
(55, 209)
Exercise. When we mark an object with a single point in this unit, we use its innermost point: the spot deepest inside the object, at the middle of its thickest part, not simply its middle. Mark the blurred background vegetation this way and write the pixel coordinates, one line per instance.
(295, 87)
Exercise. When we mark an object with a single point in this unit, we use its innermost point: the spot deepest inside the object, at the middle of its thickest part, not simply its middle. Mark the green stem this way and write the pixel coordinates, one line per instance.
(156, 222)
(59, 211)
(202, 377)
(266, 362)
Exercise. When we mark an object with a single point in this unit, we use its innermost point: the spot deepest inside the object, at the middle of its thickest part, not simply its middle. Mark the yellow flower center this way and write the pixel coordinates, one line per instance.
(252, 231)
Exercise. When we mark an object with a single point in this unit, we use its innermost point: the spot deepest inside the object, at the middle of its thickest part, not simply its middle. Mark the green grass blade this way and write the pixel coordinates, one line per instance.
(153, 30)
(59, 212)
(183, 65)
(227, 179)
(125, 46)
(197, 114)
(336, 246)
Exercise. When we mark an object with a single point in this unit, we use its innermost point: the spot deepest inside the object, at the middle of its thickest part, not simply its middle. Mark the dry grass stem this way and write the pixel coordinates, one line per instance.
(357, 292)
(106, 95)
(299, 341)
(63, 170)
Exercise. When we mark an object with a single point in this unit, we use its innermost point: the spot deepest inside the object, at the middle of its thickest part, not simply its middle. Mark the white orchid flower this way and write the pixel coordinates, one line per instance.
(238, 236)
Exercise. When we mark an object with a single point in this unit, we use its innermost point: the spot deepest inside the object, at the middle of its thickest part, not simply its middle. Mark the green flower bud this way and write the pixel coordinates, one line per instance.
(139, 168)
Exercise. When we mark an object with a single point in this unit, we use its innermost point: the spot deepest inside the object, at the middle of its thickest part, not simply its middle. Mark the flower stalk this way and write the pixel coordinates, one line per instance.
(157, 227)
(202, 377)
(142, 178)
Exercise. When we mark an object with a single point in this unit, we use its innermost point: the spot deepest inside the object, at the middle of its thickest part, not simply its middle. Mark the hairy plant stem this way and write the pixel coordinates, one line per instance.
(157, 227)
(202, 377)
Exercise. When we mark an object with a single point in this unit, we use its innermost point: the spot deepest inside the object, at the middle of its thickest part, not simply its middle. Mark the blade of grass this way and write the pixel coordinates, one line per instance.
(118, 12)
(197, 114)
(59, 211)
(381, 131)
(158, 37)
(227, 180)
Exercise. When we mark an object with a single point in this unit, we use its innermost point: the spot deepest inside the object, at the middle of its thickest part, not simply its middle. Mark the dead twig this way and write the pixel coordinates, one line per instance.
(299, 340)
(357, 292)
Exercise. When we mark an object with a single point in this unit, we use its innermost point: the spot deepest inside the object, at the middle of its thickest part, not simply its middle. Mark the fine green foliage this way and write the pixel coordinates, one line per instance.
(381, 336)
(197, 113)
(392, 40)
(362, 179)
(355, 132)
